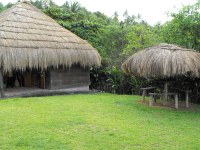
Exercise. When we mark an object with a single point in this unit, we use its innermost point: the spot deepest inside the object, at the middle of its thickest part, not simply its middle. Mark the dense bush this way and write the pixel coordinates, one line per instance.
(113, 80)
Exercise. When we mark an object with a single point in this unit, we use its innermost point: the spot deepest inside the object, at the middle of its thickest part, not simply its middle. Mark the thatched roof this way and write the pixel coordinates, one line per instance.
(163, 60)
(31, 39)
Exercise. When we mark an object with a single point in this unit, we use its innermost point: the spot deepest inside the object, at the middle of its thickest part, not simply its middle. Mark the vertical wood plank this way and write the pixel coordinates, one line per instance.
(151, 101)
(1, 83)
(165, 91)
(176, 101)
(143, 95)
(187, 99)
(42, 80)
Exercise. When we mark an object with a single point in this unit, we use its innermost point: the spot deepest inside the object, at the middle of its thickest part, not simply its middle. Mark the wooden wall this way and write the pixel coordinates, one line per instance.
(69, 78)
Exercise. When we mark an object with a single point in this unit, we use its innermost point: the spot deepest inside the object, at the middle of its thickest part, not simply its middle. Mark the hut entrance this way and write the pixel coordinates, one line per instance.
(17, 79)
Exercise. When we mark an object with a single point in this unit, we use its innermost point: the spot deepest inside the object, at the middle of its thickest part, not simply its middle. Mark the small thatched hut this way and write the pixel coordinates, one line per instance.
(37, 51)
(163, 60)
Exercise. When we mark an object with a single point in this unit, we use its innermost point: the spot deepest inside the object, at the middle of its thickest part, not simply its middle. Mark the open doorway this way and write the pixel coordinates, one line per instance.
(29, 78)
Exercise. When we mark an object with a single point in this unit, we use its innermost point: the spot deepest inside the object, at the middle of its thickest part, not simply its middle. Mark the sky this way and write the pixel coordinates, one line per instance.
(152, 11)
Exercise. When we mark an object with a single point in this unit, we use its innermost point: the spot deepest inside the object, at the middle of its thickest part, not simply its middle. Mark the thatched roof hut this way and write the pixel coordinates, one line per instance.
(35, 51)
(163, 60)
(31, 39)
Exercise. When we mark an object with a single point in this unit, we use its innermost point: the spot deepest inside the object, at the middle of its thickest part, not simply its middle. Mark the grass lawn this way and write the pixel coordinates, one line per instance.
(102, 121)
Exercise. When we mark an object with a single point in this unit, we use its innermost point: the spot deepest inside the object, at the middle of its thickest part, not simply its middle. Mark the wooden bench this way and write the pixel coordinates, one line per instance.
(186, 95)
(144, 92)
(162, 94)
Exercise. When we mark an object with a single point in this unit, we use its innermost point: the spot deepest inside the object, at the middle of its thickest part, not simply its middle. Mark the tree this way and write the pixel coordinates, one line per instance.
(1, 7)
(8, 5)
(129, 20)
(72, 7)
(140, 36)
(184, 29)
(111, 41)
(43, 4)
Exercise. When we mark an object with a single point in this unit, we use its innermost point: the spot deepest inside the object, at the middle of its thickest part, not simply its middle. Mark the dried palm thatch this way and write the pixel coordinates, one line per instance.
(31, 39)
(163, 60)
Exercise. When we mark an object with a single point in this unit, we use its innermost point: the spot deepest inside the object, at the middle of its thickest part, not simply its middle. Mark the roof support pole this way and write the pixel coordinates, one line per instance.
(151, 101)
(165, 93)
(176, 101)
(144, 93)
(187, 98)
(1, 83)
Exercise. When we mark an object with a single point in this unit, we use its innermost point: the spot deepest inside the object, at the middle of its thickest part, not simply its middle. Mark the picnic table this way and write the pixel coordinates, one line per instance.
(152, 99)
(164, 96)
(186, 91)
(144, 92)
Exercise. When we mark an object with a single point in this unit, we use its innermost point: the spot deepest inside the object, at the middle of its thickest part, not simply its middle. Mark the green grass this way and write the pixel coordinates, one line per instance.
(102, 121)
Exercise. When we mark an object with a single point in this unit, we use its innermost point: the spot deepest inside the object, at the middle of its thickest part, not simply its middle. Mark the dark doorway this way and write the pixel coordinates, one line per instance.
(29, 78)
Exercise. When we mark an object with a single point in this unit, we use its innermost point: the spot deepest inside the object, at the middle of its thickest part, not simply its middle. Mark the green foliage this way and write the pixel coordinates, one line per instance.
(112, 40)
(112, 79)
(43, 4)
(9, 5)
(115, 78)
(140, 36)
(72, 7)
(58, 14)
(86, 30)
(1, 7)
(184, 27)
(37, 3)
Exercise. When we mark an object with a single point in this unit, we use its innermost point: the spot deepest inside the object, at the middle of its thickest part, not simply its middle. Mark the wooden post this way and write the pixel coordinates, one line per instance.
(165, 93)
(161, 97)
(154, 99)
(144, 92)
(1, 83)
(176, 101)
(187, 98)
(44, 81)
(151, 101)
